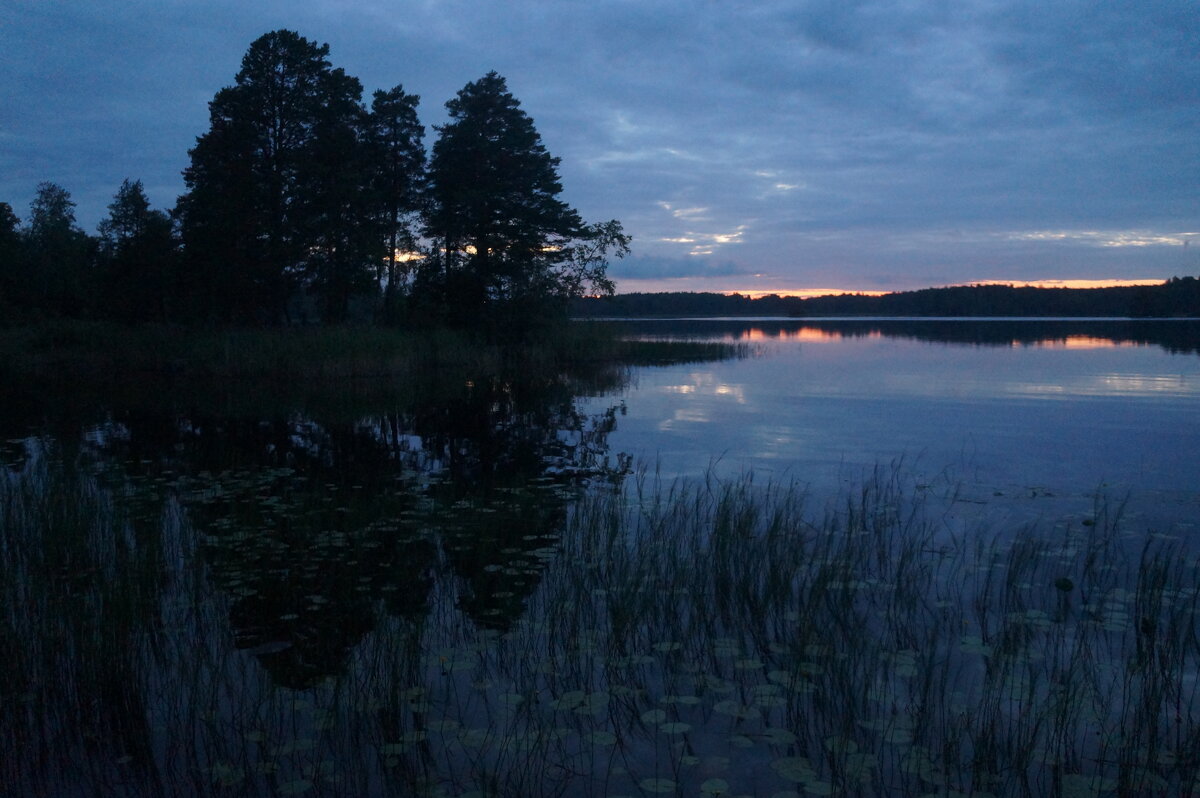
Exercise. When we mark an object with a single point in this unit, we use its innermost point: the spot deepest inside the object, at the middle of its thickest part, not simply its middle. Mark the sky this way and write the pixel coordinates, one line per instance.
(781, 146)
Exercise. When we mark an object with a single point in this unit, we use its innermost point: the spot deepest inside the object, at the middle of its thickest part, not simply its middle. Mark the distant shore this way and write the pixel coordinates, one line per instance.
(1178, 297)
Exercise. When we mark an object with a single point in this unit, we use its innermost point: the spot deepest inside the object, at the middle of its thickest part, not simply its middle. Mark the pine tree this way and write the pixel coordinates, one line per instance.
(12, 262)
(138, 252)
(60, 254)
(267, 203)
(394, 137)
(506, 249)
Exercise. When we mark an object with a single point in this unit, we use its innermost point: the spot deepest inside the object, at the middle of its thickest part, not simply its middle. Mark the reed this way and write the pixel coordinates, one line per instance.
(713, 637)
(99, 350)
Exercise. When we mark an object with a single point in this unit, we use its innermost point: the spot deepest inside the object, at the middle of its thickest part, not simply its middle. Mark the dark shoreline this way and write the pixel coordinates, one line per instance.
(1174, 298)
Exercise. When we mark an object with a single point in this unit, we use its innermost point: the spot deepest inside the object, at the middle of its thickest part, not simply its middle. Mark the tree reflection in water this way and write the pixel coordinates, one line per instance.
(315, 527)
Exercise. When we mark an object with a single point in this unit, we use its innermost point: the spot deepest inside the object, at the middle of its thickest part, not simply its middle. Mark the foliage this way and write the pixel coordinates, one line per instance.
(11, 260)
(274, 196)
(139, 257)
(304, 204)
(333, 193)
(394, 139)
(99, 353)
(59, 254)
(506, 249)
(1179, 296)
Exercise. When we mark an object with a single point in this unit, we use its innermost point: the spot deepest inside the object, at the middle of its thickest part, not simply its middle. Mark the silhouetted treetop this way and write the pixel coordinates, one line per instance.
(394, 137)
(303, 203)
(504, 243)
(276, 197)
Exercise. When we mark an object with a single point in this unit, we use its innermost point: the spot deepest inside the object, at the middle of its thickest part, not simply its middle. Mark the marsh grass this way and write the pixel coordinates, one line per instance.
(97, 350)
(713, 637)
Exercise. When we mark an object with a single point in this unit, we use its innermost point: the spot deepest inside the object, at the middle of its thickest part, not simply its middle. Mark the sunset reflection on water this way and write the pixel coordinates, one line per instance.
(1176, 336)
(828, 335)
(1083, 342)
(1060, 405)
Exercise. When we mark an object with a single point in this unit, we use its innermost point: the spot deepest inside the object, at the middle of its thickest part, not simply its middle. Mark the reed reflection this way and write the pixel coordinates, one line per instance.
(314, 527)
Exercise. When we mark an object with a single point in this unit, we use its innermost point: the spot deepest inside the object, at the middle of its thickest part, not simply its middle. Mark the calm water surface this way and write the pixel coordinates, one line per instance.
(472, 588)
(1012, 408)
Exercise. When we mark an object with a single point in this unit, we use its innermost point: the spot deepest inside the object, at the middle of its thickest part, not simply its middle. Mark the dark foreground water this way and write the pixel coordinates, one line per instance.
(899, 559)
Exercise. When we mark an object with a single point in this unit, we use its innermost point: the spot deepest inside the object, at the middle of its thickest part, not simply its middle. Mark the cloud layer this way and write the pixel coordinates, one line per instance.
(753, 146)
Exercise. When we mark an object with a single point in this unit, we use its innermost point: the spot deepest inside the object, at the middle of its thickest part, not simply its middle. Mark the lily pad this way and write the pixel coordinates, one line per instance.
(601, 738)
(840, 745)
(776, 736)
(794, 768)
(675, 728)
(736, 710)
(657, 785)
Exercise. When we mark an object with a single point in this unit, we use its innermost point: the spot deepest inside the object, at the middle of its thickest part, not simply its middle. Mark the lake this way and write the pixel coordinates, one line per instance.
(1001, 409)
(865, 557)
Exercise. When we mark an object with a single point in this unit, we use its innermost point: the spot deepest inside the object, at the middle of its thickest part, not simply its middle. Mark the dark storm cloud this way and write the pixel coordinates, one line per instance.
(829, 142)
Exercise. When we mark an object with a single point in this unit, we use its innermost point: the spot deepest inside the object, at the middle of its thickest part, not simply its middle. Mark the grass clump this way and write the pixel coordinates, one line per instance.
(711, 636)
(102, 350)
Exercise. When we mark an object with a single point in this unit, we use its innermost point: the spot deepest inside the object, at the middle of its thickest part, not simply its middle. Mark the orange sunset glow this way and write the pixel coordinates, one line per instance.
(803, 335)
(1071, 283)
(633, 285)
(805, 293)
(1085, 342)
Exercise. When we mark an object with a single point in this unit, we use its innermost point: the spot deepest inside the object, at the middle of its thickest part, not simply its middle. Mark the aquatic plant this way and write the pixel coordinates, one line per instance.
(721, 637)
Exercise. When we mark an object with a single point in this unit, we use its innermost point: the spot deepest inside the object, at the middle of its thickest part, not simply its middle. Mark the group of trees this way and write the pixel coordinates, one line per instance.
(302, 202)
(52, 267)
(1178, 296)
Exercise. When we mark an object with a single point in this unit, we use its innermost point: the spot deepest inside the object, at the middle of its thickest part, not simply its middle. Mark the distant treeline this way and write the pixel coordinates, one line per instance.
(303, 203)
(1177, 297)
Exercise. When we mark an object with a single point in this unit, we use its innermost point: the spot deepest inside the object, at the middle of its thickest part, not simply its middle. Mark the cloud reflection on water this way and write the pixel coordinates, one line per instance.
(1066, 404)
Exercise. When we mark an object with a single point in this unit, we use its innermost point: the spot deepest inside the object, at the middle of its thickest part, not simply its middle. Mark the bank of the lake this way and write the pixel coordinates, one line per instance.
(102, 350)
(586, 577)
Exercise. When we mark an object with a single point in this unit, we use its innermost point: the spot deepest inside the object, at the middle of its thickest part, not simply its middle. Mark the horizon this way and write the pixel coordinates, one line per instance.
(783, 148)
(820, 292)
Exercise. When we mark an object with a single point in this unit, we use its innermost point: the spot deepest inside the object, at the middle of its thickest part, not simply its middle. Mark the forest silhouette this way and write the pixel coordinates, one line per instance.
(1176, 297)
(303, 205)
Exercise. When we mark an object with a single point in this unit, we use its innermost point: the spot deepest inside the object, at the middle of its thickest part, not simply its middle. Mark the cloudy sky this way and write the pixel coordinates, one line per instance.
(772, 145)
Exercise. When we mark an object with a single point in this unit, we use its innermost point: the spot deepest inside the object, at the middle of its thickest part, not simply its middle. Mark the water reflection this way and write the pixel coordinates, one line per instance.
(406, 590)
(1106, 385)
(314, 527)
(1010, 405)
(1175, 336)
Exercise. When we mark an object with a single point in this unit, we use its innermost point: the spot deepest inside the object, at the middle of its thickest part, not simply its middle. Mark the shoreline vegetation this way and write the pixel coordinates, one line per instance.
(702, 637)
(297, 498)
(305, 204)
(101, 351)
(1178, 297)
(337, 212)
